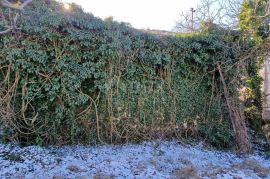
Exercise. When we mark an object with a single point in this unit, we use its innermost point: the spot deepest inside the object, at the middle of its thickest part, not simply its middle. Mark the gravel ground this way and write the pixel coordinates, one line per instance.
(147, 160)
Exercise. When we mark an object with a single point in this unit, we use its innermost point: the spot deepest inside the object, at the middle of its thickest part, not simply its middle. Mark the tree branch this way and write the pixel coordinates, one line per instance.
(15, 6)
(6, 31)
(14, 9)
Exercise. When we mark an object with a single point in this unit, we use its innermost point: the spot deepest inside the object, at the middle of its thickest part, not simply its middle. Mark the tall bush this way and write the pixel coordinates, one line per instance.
(69, 77)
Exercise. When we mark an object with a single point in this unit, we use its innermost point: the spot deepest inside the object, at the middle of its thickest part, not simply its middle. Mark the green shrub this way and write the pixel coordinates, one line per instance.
(73, 78)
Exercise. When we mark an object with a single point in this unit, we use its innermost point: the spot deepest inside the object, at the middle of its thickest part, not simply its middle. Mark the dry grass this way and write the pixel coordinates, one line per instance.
(58, 177)
(187, 172)
(101, 175)
(213, 171)
(132, 130)
(255, 166)
(74, 168)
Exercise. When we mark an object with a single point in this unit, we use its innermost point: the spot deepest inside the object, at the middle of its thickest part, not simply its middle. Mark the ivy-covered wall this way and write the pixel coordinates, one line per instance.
(69, 77)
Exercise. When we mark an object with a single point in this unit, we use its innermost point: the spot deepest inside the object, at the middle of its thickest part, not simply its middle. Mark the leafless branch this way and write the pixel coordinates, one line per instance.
(8, 30)
(225, 13)
(16, 6)
(14, 10)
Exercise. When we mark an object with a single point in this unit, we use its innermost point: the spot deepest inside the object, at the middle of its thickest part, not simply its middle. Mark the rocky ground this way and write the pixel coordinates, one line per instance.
(147, 160)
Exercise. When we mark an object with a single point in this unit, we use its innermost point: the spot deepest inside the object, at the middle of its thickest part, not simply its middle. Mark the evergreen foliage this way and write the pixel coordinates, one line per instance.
(74, 78)
(254, 19)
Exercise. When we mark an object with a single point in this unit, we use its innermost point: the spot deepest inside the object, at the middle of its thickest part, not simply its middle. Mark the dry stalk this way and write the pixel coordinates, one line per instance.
(14, 10)
(237, 120)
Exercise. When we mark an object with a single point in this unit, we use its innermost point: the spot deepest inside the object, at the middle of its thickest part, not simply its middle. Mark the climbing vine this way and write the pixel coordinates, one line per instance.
(68, 77)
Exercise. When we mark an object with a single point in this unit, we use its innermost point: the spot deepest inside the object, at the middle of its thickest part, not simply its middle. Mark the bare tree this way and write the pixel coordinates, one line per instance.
(225, 13)
(188, 21)
(14, 8)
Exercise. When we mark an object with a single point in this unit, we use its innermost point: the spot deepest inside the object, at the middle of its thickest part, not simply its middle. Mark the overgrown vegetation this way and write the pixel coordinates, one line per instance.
(69, 77)
(253, 96)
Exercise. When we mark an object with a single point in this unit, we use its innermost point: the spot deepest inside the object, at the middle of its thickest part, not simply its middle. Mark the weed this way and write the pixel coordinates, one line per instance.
(74, 168)
(101, 175)
(255, 166)
(14, 157)
(187, 172)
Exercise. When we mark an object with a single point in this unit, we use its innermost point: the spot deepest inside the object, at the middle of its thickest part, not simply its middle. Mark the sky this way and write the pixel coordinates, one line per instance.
(141, 14)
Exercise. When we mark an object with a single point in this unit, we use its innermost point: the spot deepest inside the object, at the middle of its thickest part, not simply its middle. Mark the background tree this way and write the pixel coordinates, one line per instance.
(254, 19)
(254, 23)
(14, 10)
(225, 13)
(247, 24)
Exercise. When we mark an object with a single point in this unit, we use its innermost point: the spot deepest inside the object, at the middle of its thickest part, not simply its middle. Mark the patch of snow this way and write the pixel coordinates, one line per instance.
(147, 160)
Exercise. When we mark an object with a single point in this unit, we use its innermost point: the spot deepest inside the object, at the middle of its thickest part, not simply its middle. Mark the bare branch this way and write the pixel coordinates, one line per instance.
(225, 13)
(14, 9)
(6, 31)
(15, 6)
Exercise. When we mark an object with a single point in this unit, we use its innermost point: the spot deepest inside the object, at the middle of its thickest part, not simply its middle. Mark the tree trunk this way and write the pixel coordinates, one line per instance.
(237, 120)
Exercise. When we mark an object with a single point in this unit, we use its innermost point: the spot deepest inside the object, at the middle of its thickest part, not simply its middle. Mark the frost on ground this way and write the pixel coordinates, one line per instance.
(147, 160)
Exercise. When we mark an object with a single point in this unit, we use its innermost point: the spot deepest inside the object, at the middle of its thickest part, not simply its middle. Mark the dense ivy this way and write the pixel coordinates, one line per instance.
(83, 79)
